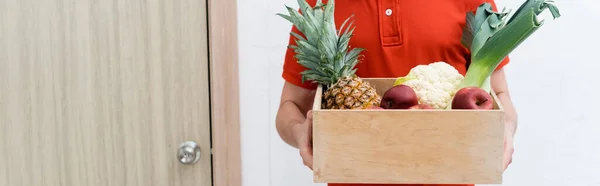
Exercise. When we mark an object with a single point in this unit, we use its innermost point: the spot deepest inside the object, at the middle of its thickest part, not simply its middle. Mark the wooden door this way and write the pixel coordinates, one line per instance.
(103, 92)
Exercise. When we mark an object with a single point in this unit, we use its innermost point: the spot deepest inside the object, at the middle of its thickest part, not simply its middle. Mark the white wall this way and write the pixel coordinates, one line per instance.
(558, 140)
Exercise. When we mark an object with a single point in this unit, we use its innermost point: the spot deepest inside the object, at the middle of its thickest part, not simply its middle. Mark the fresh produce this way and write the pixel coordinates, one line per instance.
(490, 38)
(325, 52)
(435, 84)
(472, 98)
(399, 97)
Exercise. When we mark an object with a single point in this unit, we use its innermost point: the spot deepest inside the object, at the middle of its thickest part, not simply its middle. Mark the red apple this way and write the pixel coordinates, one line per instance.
(472, 98)
(421, 106)
(399, 97)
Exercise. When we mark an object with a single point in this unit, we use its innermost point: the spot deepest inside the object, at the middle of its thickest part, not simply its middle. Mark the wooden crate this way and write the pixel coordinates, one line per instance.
(407, 146)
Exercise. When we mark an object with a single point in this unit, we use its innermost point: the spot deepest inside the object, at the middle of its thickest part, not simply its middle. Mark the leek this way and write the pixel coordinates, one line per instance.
(490, 38)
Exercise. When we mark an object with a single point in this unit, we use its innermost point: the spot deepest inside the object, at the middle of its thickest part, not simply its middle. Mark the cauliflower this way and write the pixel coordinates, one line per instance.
(435, 84)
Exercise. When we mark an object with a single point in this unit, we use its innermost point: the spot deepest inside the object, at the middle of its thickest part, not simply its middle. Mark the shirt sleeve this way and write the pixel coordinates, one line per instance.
(291, 67)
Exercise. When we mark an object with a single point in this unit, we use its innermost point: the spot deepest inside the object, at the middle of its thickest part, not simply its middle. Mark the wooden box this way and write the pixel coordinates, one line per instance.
(407, 146)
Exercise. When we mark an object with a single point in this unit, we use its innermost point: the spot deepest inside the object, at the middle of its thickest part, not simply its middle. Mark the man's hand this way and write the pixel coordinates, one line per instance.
(508, 145)
(294, 119)
(501, 88)
(303, 135)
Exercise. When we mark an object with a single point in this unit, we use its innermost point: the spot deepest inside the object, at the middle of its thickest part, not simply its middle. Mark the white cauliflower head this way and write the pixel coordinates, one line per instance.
(435, 84)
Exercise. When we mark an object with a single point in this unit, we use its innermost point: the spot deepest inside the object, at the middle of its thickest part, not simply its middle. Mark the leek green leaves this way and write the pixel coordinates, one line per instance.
(490, 38)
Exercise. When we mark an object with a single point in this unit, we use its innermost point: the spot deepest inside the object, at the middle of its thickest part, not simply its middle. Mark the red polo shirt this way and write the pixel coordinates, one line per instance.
(397, 36)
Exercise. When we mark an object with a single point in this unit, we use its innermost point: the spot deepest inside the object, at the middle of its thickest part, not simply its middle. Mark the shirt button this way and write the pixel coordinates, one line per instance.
(388, 12)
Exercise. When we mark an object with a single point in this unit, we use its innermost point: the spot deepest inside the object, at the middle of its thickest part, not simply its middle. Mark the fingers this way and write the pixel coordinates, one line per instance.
(508, 152)
(309, 115)
(309, 118)
(306, 142)
(306, 153)
(507, 162)
(307, 157)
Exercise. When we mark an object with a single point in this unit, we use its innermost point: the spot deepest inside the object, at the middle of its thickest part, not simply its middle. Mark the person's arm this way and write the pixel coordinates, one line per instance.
(500, 87)
(294, 104)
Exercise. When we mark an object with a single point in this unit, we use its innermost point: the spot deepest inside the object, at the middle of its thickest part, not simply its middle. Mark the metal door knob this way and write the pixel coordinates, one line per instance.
(188, 153)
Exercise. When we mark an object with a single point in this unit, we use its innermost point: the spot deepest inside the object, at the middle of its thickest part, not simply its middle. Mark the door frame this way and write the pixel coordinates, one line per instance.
(224, 92)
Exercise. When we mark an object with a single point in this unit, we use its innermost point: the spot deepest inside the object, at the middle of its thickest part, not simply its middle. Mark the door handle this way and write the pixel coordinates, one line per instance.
(188, 152)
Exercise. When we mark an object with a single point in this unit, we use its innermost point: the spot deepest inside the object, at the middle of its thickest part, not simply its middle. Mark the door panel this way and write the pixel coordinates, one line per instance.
(103, 92)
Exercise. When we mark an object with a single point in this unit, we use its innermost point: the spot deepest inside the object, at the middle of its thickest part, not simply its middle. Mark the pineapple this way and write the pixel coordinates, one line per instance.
(324, 52)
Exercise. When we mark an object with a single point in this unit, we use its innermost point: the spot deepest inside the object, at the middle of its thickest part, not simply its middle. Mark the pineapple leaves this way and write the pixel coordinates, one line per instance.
(305, 7)
(296, 18)
(307, 47)
(308, 61)
(321, 47)
(345, 38)
(314, 76)
(352, 57)
(287, 17)
(298, 36)
(344, 24)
